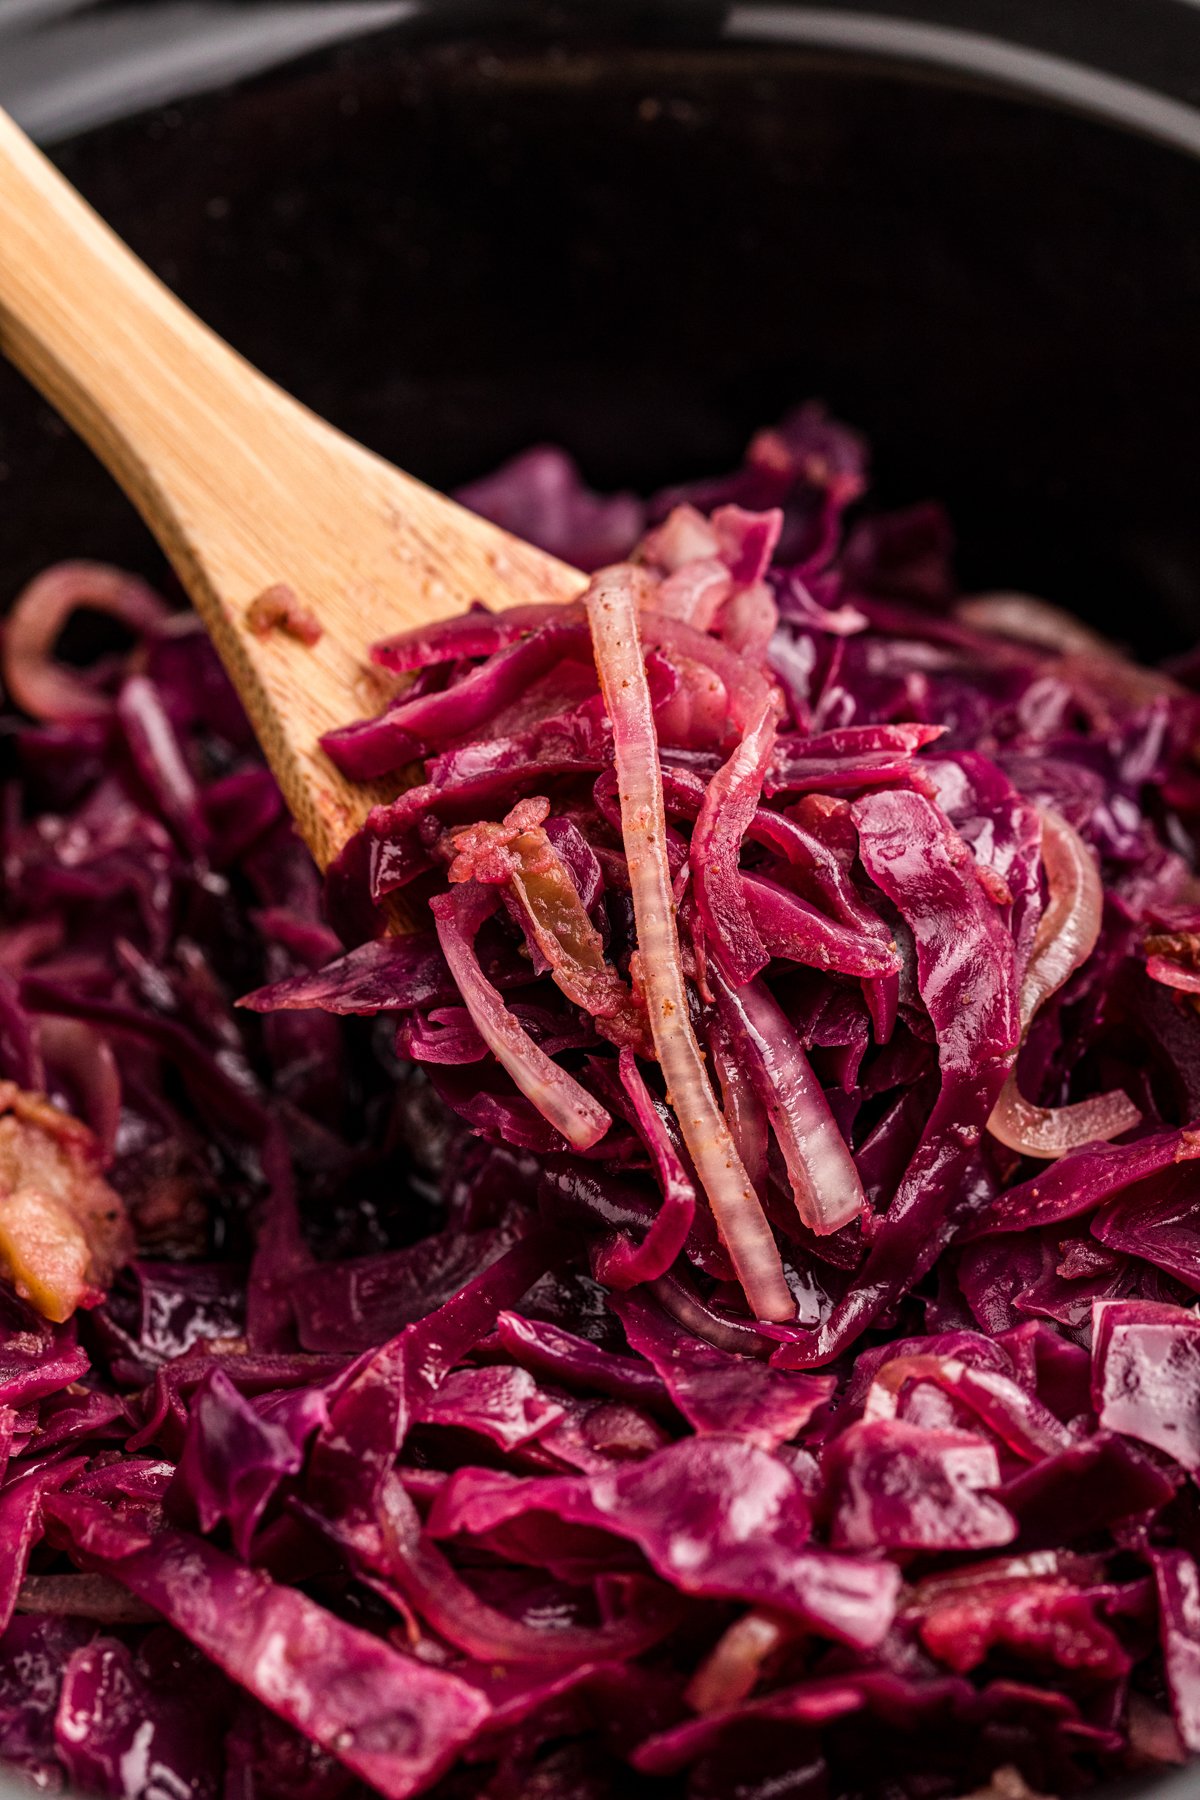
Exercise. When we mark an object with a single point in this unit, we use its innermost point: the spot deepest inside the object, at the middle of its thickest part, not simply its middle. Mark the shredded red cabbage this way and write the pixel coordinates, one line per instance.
(670, 1327)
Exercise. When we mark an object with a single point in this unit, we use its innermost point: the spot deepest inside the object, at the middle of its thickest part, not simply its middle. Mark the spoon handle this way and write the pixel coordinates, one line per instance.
(243, 487)
(168, 407)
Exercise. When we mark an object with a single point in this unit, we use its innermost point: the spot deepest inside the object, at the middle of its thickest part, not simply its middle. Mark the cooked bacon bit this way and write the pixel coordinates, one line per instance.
(993, 884)
(518, 854)
(483, 852)
(63, 1231)
(1182, 947)
(281, 606)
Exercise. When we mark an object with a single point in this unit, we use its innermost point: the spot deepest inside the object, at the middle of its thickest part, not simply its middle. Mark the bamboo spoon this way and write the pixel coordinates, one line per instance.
(243, 487)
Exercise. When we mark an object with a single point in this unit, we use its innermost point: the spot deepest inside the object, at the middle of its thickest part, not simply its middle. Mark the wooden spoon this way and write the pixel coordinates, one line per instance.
(243, 487)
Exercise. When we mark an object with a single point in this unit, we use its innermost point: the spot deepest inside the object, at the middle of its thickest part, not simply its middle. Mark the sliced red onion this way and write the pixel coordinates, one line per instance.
(557, 1095)
(1087, 659)
(695, 593)
(704, 1321)
(428, 1581)
(749, 620)
(730, 802)
(1051, 1131)
(1070, 926)
(696, 710)
(1066, 936)
(1153, 1734)
(744, 1110)
(159, 758)
(42, 687)
(96, 1597)
(612, 604)
(622, 1264)
(742, 681)
(1102, 679)
(519, 855)
(825, 1183)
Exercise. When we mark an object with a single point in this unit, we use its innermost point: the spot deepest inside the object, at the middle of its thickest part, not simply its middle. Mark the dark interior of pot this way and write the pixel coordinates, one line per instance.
(454, 249)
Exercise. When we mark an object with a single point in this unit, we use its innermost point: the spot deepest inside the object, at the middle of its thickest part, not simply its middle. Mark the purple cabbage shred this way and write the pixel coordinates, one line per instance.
(392, 1400)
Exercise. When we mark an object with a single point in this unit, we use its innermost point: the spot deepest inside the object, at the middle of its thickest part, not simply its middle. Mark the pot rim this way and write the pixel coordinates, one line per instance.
(65, 70)
(71, 66)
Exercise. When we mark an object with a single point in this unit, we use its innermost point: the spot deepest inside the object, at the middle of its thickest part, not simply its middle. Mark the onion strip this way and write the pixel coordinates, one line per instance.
(426, 1578)
(1051, 1131)
(732, 1667)
(620, 1264)
(557, 1095)
(1032, 621)
(1070, 926)
(730, 802)
(1066, 936)
(824, 1181)
(43, 687)
(612, 607)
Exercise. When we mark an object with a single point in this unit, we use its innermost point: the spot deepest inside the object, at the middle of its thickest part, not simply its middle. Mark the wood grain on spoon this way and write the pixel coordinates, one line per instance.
(243, 487)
